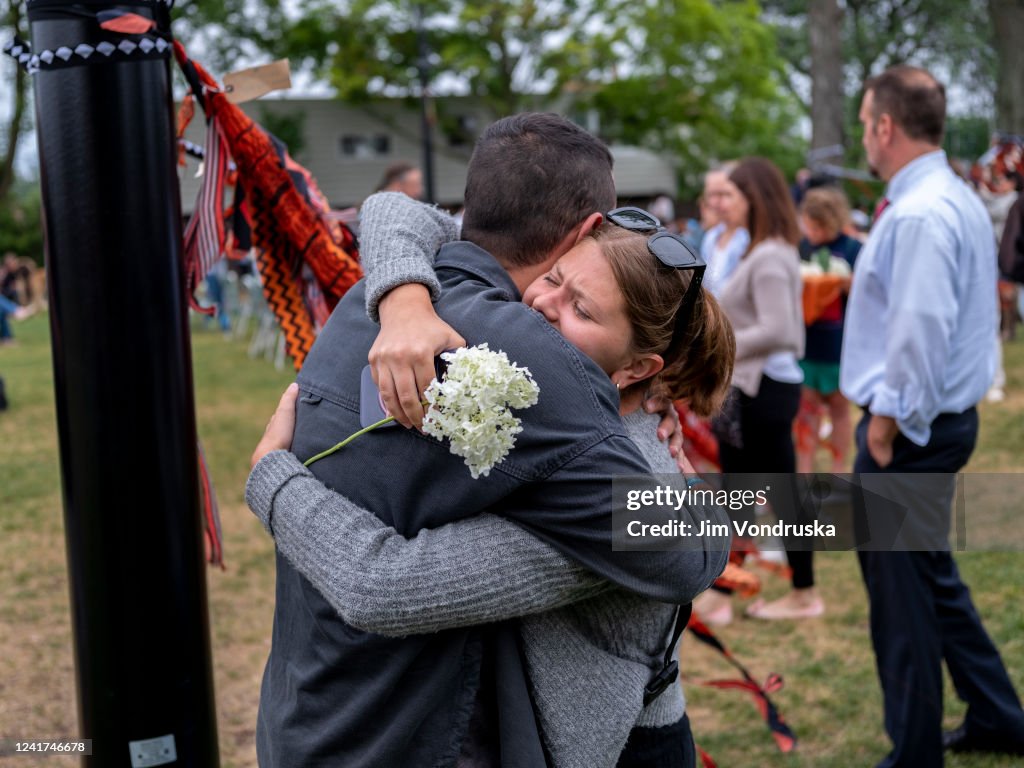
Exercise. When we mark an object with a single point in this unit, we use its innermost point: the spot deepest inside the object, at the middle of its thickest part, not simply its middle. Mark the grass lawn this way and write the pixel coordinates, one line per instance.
(831, 697)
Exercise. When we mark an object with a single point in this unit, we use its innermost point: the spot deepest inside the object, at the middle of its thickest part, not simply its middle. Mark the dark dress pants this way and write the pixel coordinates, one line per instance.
(922, 613)
(670, 746)
(766, 428)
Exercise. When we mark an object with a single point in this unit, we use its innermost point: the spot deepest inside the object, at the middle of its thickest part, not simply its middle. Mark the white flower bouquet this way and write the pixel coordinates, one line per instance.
(471, 407)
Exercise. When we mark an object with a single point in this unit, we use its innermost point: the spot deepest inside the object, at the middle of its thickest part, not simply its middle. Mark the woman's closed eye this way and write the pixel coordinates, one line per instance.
(580, 311)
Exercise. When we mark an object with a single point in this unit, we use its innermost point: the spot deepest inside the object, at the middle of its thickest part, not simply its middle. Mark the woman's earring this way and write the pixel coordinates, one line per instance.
(618, 385)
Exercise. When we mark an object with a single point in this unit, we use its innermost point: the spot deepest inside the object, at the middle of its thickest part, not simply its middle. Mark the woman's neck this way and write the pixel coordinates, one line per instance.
(726, 236)
(630, 402)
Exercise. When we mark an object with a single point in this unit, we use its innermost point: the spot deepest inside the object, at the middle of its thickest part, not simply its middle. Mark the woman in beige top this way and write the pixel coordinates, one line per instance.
(762, 298)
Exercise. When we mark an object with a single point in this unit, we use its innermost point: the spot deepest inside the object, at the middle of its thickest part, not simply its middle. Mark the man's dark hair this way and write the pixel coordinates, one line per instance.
(533, 177)
(914, 99)
(394, 172)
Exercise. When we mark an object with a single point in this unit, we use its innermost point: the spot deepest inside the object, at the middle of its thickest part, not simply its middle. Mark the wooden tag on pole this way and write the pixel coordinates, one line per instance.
(251, 83)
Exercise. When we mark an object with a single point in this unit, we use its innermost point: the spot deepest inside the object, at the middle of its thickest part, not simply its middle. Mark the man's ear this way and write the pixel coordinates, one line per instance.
(592, 222)
(884, 128)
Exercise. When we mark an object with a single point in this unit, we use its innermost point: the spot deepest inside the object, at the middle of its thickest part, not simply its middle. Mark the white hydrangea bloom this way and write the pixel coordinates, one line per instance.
(471, 405)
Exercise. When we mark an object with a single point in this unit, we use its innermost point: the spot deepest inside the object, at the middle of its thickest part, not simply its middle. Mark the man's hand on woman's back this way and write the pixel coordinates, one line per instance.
(280, 428)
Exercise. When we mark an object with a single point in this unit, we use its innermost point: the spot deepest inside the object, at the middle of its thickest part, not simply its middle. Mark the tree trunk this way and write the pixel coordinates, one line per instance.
(824, 27)
(12, 25)
(1007, 22)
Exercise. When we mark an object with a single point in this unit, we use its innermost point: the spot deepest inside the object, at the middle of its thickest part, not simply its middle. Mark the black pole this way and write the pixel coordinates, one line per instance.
(125, 410)
(426, 129)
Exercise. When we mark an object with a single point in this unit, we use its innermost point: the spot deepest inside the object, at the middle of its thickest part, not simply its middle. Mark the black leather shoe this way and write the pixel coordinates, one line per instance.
(959, 740)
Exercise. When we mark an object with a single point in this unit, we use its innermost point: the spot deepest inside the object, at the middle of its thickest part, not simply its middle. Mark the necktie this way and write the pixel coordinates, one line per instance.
(880, 209)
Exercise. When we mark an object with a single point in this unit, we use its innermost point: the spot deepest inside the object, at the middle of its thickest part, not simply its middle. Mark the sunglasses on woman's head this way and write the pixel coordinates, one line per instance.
(634, 219)
(670, 249)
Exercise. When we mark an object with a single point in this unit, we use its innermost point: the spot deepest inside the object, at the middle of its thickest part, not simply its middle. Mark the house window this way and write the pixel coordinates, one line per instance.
(358, 147)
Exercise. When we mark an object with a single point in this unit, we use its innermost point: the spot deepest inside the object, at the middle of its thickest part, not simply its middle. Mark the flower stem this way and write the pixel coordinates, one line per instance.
(346, 441)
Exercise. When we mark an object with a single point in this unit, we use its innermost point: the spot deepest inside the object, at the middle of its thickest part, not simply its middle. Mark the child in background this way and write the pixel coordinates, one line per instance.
(824, 213)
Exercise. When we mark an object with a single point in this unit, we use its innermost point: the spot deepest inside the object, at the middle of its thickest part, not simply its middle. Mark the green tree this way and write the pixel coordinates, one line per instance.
(497, 50)
(1007, 18)
(952, 37)
(21, 226)
(12, 22)
(824, 28)
(697, 79)
(222, 33)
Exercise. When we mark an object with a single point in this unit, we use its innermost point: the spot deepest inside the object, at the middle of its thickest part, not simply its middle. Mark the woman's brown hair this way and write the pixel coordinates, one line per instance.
(699, 350)
(772, 212)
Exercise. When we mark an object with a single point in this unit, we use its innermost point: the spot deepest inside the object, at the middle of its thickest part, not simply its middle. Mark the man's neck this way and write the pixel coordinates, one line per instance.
(911, 152)
(523, 276)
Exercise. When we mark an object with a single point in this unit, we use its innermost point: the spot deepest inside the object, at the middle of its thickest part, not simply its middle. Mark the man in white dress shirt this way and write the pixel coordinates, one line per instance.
(918, 354)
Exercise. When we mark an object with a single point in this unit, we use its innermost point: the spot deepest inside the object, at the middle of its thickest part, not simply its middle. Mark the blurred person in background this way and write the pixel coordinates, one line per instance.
(724, 243)
(9, 309)
(824, 213)
(998, 189)
(402, 177)
(802, 182)
(16, 279)
(762, 298)
(1011, 261)
(215, 280)
(664, 209)
(15, 289)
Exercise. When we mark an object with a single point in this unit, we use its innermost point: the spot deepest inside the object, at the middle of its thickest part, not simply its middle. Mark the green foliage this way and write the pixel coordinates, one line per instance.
(497, 50)
(223, 32)
(967, 138)
(952, 34)
(695, 79)
(952, 37)
(21, 226)
(15, 105)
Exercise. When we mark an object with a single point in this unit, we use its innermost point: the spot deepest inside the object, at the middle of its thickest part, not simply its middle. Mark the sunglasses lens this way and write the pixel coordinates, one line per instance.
(633, 219)
(671, 251)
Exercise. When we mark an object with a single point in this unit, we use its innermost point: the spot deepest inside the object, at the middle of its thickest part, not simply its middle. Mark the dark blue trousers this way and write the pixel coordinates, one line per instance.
(922, 613)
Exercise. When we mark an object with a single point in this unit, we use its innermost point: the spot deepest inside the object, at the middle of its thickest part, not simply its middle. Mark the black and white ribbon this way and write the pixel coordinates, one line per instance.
(143, 47)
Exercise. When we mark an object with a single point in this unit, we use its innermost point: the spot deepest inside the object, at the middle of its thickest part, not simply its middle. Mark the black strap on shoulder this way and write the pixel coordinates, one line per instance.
(670, 667)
